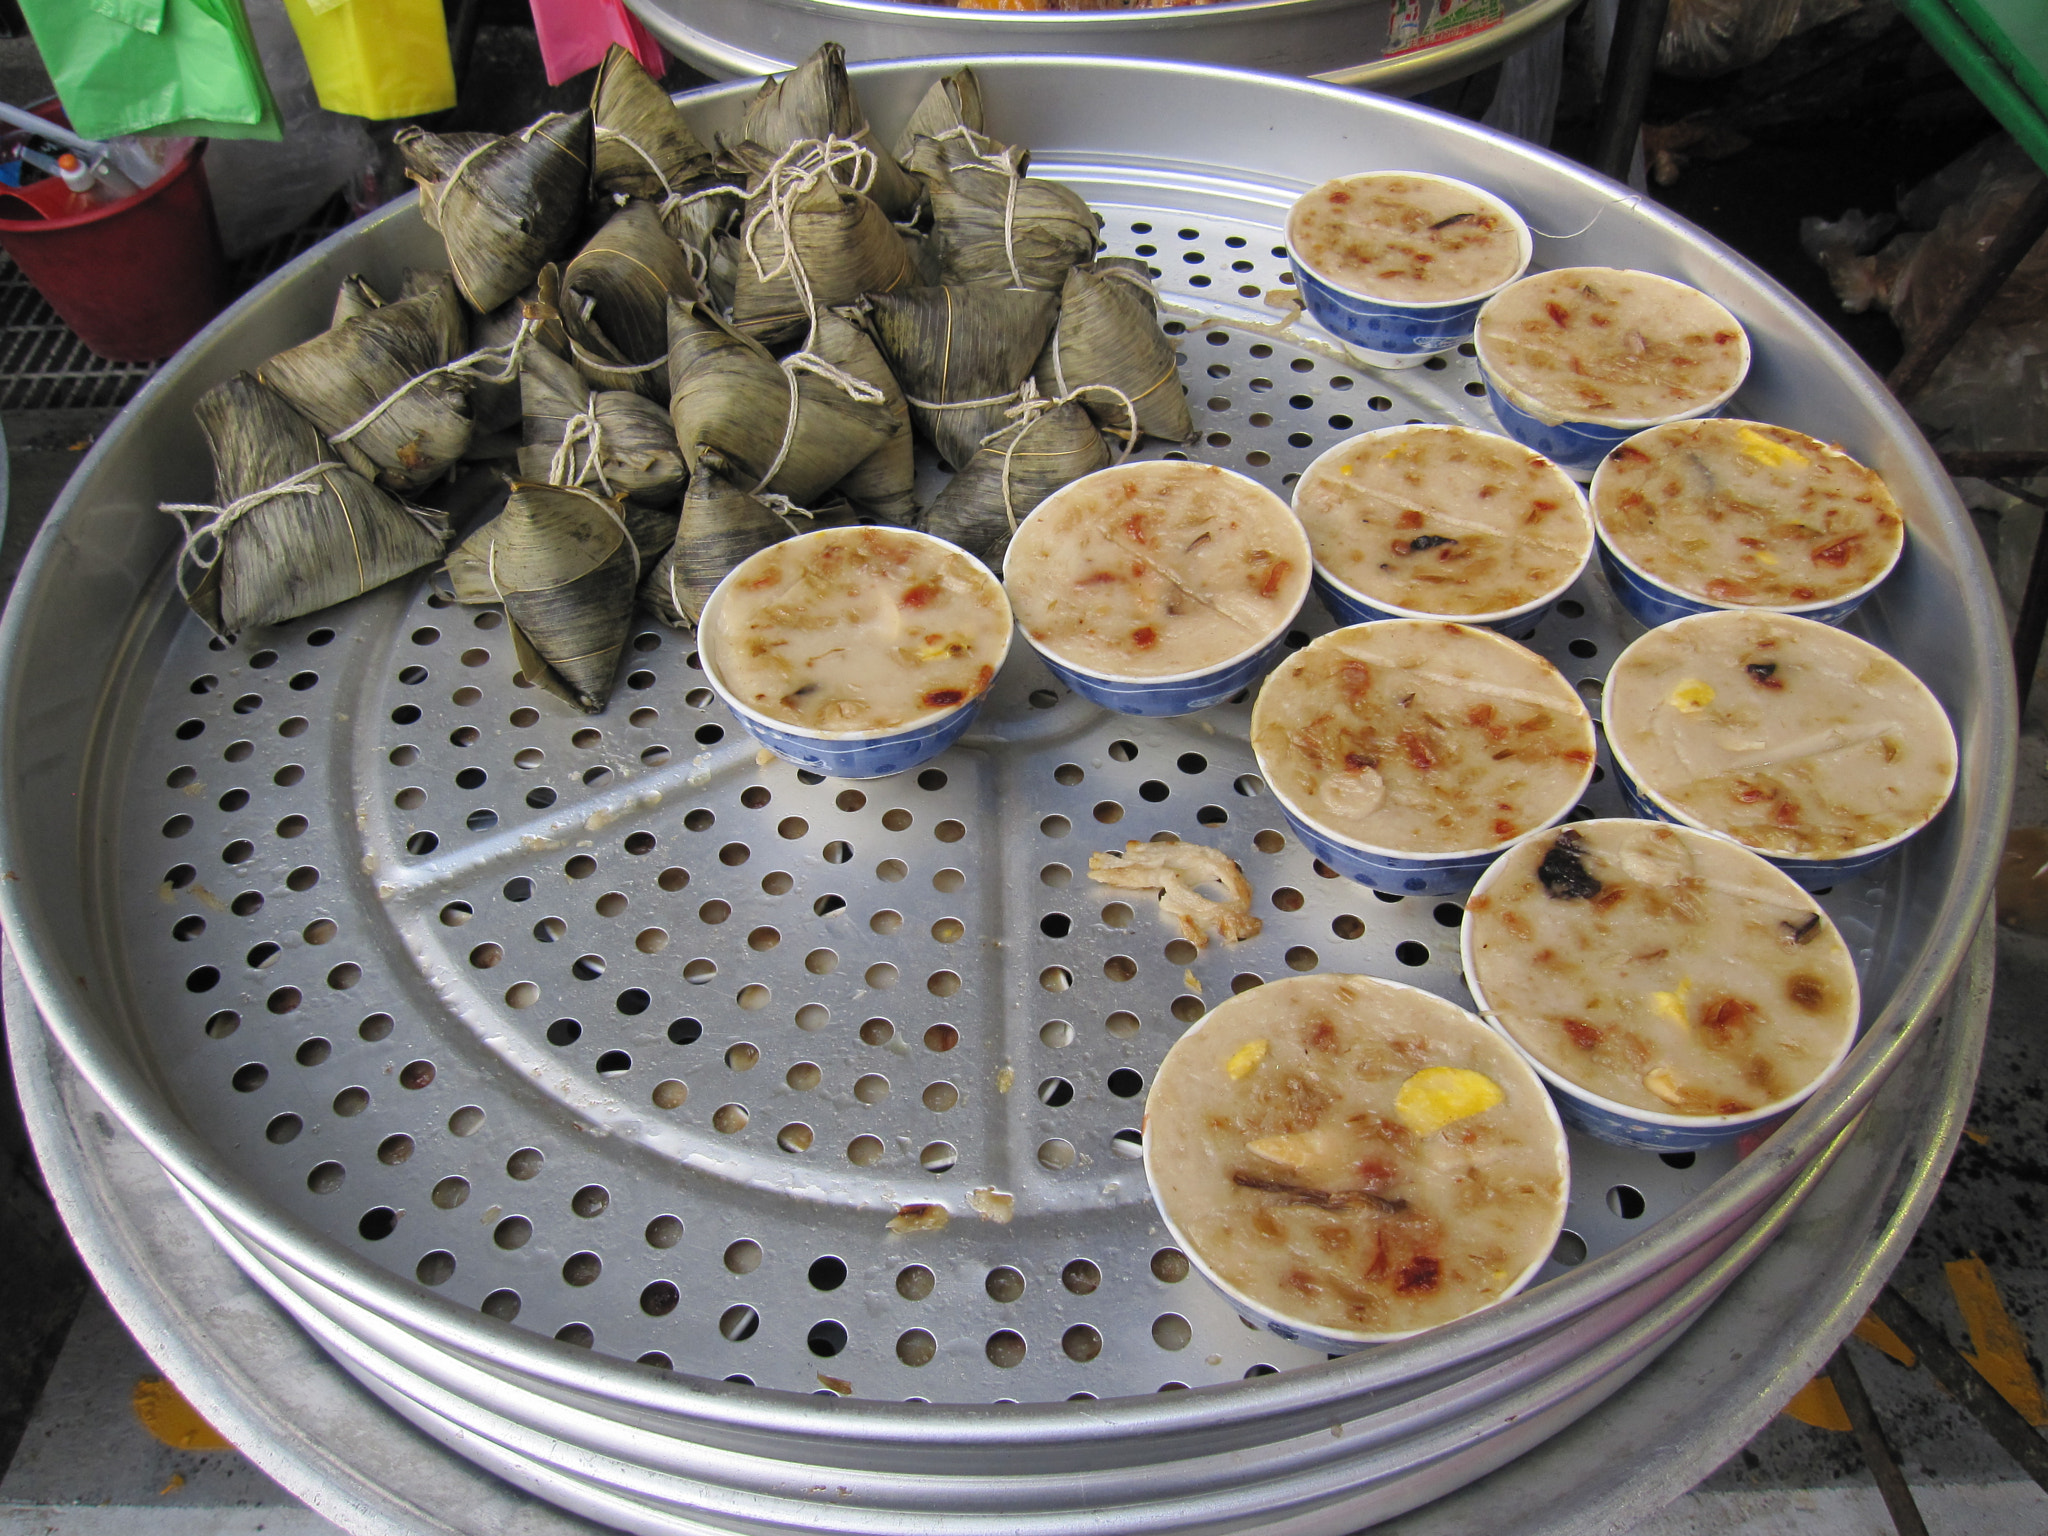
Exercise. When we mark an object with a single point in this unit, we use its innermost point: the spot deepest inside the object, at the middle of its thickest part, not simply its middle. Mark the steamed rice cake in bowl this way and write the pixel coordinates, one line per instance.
(1432, 521)
(1158, 588)
(1395, 264)
(1675, 989)
(1798, 740)
(855, 652)
(1406, 754)
(1578, 360)
(1351, 1161)
(1700, 515)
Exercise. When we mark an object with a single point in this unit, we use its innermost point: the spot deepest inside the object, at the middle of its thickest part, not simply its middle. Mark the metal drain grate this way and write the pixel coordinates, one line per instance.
(43, 366)
(611, 1030)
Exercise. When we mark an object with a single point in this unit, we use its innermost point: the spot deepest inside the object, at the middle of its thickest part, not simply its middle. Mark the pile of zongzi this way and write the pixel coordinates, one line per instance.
(698, 342)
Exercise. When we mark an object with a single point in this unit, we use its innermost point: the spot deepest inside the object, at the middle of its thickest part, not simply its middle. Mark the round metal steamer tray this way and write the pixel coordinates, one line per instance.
(729, 38)
(448, 1007)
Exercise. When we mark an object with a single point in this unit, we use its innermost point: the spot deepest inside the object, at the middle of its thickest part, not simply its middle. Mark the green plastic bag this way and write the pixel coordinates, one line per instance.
(155, 66)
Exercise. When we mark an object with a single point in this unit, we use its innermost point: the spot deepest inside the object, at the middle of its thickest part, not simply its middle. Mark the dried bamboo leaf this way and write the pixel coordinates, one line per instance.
(615, 298)
(845, 244)
(563, 563)
(494, 407)
(356, 297)
(617, 441)
(720, 526)
(294, 553)
(981, 235)
(952, 346)
(505, 206)
(954, 101)
(980, 507)
(1108, 335)
(641, 146)
(352, 382)
(883, 483)
(816, 100)
(788, 432)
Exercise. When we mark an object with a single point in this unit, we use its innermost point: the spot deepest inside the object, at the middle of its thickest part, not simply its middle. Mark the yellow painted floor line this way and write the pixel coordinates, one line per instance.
(1873, 1331)
(1818, 1404)
(2001, 1351)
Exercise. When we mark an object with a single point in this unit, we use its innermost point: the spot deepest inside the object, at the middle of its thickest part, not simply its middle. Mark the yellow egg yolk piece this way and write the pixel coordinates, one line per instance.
(1437, 1096)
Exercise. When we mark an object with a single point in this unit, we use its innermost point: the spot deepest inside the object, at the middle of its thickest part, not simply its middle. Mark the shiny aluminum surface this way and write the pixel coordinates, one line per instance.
(251, 1371)
(1342, 41)
(80, 690)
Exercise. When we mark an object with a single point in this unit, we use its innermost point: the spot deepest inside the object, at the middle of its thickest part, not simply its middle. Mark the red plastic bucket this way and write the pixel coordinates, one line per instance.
(135, 279)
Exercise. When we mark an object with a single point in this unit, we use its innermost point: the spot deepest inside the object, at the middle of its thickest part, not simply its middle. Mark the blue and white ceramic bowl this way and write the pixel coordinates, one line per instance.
(1173, 693)
(868, 754)
(1442, 1019)
(1386, 333)
(1578, 446)
(1627, 1125)
(1347, 605)
(1651, 601)
(1403, 871)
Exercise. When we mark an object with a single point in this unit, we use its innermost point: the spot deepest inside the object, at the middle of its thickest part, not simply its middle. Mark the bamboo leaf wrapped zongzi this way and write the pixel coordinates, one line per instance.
(505, 206)
(961, 355)
(294, 530)
(641, 147)
(992, 223)
(980, 508)
(1108, 348)
(615, 440)
(954, 101)
(562, 561)
(787, 430)
(721, 525)
(810, 242)
(615, 298)
(816, 100)
(883, 483)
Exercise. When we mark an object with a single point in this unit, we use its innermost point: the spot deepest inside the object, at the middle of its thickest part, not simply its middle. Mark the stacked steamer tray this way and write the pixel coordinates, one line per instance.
(1374, 43)
(624, 1245)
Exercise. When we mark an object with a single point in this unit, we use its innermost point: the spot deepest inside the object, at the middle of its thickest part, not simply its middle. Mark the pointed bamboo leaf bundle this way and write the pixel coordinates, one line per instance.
(505, 206)
(810, 242)
(961, 355)
(641, 145)
(356, 298)
(495, 406)
(1013, 472)
(883, 483)
(1108, 348)
(954, 101)
(371, 384)
(784, 430)
(563, 563)
(295, 531)
(816, 101)
(615, 440)
(722, 276)
(721, 525)
(615, 298)
(992, 223)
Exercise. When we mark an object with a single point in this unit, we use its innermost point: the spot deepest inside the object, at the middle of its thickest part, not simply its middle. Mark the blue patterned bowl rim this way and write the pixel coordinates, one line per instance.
(1395, 610)
(1125, 680)
(1293, 1328)
(1525, 245)
(1531, 407)
(705, 625)
(1693, 823)
(1704, 1124)
(1621, 558)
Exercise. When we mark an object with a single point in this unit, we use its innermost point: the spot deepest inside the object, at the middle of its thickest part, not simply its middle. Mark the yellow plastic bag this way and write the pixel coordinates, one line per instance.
(376, 58)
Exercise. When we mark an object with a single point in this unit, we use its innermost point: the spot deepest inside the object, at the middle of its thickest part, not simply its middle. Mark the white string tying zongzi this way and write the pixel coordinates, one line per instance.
(670, 199)
(590, 359)
(585, 432)
(1006, 165)
(486, 365)
(218, 520)
(792, 175)
(1032, 409)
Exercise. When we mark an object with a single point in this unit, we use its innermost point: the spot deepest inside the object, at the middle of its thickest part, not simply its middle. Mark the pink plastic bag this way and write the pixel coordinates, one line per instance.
(574, 35)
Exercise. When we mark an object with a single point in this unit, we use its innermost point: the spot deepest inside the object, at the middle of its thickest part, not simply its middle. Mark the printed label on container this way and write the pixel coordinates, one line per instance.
(1417, 24)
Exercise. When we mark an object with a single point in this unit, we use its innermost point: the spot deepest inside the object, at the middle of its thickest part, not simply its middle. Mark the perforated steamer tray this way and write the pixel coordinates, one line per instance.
(401, 1109)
